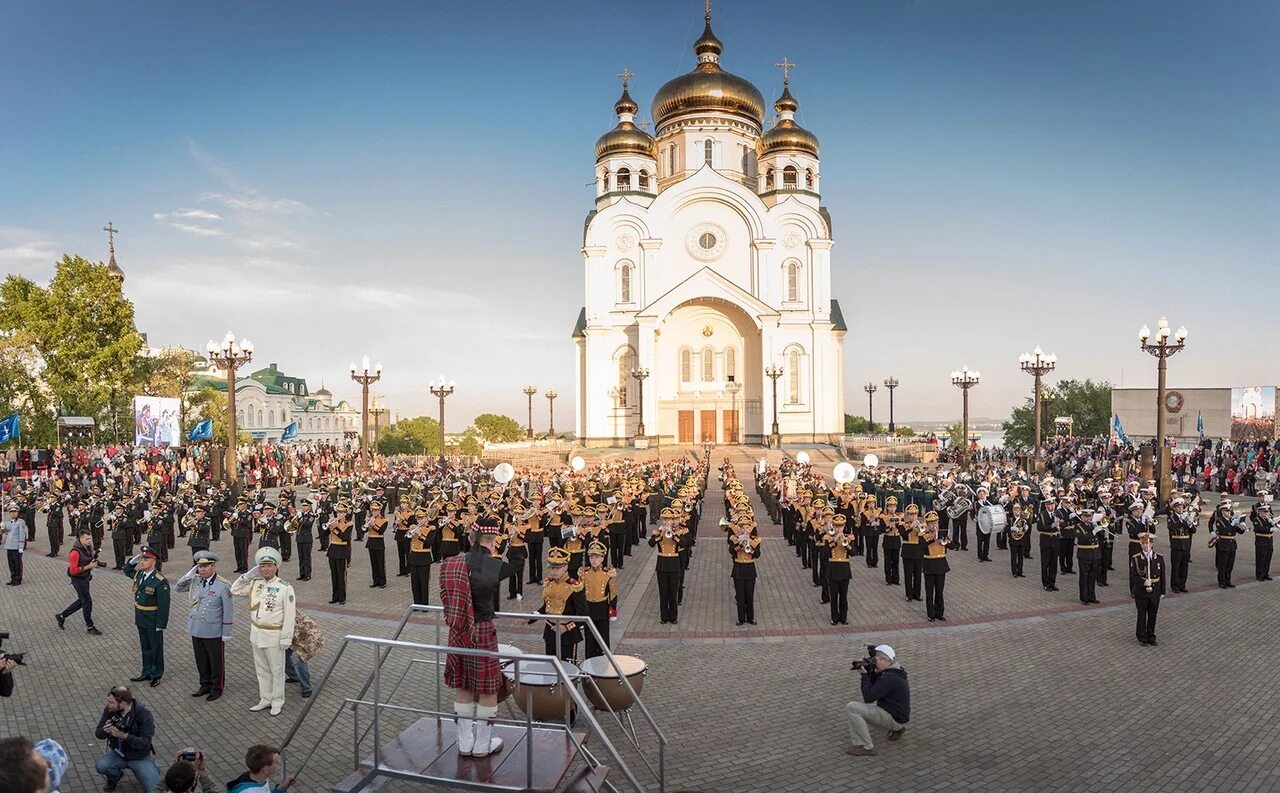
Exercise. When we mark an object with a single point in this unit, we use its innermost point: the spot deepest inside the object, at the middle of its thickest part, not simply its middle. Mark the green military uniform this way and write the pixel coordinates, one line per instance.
(151, 616)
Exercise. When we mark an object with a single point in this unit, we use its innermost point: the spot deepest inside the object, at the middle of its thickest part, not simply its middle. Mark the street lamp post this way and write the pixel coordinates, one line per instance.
(870, 388)
(640, 373)
(964, 380)
(440, 389)
(773, 372)
(230, 356)
(891, 383)
(1162, 349)
(365, 378)
(734, 387)
(529, 391)
(551, 412)
(1037, 364)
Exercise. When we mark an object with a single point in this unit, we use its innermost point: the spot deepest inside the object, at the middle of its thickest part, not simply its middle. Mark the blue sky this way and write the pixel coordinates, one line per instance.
(408, 180)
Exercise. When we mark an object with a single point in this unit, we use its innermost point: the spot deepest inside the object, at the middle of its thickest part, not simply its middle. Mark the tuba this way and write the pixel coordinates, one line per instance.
(1019, 529)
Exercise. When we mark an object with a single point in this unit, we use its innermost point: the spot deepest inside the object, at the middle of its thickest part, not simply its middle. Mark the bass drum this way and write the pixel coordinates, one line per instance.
(992, 519)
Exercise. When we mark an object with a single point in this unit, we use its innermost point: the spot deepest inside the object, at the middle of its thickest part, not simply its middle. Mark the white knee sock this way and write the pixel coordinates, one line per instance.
(466, 726)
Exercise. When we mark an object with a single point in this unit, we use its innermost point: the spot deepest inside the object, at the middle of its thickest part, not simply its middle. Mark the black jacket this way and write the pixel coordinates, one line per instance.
(140, 725)
(889, 690)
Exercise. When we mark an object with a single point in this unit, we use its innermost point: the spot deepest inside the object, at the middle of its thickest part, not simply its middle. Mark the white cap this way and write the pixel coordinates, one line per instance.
(886, 651)
(267, 554)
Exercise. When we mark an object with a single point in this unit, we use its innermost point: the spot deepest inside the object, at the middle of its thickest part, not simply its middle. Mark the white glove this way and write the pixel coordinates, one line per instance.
(190, 572)
(135, 559)
(252, 573)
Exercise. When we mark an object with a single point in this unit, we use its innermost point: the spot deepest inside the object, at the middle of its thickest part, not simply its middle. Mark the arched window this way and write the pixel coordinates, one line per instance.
(793, 281)
(708, 151)
(644, 180)
(789, 177)
(624, 283)
(730, 364)
(271, 418)
(793, 377)
(746, 162)
(708, 364)
(240, 417)
(624, 179)
(604, 180)
(808, 178)
(260, 424)
(686, 365)
(671, 160)
(624, 375)
(768, 179)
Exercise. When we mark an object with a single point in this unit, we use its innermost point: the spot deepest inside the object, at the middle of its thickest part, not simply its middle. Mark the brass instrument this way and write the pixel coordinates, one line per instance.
(1020, 528)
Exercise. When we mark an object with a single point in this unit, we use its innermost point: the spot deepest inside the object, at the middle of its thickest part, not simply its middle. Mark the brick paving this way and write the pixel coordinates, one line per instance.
(1021, 690)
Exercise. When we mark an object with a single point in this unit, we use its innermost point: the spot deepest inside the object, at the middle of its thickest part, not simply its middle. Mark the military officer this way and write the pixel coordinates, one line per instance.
(209, 617)
(1147, 585)
(150, 612)
(306, 537)
(272, 613)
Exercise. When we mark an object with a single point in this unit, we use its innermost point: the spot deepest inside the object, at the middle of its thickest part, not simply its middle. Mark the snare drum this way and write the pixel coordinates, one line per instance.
(540, 693)
(603, 686)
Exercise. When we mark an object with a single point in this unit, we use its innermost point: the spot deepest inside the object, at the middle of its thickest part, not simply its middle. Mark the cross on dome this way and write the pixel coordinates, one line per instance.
(786, 66)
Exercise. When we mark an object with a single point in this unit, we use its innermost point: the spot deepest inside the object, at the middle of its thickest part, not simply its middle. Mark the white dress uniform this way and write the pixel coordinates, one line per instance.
(272, 611)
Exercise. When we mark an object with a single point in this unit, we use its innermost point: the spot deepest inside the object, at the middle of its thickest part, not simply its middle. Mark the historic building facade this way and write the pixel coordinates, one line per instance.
(707, 263)
(268, 400)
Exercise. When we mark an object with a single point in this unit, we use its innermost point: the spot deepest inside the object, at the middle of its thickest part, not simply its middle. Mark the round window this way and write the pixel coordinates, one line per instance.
(707, 241)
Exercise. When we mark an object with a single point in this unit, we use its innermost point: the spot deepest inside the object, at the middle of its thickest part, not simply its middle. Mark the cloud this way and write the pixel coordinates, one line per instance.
(19, 247)
(186, 214)
(199, 231)
(253, 201)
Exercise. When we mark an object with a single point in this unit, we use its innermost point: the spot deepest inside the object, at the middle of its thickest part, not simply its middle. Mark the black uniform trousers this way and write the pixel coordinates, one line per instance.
(1066, 562)
(535, 559)
(744, 592)
(1002, 540)
(304, 560)
(1105, 551)
(912, 570)
(892, 551)
(1263, 545)
(120, 547)
(1090, 561)
(668, 594)
(210, 662)
(819, 569)
(934, 605)
(984, 545)
(241, 545)
(1224, 557)
(871, 540)
(378, 566)
(151, 642)
(960, 532)
(599, 613)
(338, 579)
(1148, 604)
(617, 548)
(1179, 555)
(838, 591)
(515, 584)
(286, 546)
(1048, 561)
(15, 566)
(1015, 557)
(420, 583)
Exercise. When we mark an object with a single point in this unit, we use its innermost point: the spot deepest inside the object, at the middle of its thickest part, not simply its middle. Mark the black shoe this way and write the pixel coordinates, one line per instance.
(1095, 600)
(202, 692)
(1102, 583)
(932, 619)
(62, 621)
(139, 678)
(331, 602)
(111, 785)
(1231, 586)
(306, 695)
(94, 631)
(744, 622)
(1152, 641)
(155, 681)
(942, 619)
(751, 622)
(52, 555)
(215, 694)
(371, 586)
(1143, 642)
(835, 622)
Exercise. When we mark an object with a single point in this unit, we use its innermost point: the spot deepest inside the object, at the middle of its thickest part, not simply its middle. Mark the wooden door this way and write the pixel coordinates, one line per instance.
(708, 426)
(686, 427)
(731, 427)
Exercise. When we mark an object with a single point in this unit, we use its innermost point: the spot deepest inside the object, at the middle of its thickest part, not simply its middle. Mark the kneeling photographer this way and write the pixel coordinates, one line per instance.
(8, 662)
(886, 699)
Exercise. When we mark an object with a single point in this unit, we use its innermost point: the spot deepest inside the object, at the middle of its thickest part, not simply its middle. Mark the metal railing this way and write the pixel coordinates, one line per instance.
(383, 649)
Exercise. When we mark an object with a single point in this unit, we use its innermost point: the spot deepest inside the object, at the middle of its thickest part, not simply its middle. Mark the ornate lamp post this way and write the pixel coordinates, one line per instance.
(230, 356)
(1162, 349)
(365, 378)
(773, 372)
(870, 388)
(440, 389)
(891, 383)
(964, 380)
(1037, 364)
(734, 387)
(551, 412)
(640, 373)
(529, 391)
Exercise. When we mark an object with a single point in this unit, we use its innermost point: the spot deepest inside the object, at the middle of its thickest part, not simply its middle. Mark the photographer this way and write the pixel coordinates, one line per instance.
(886, 700)
(7, 665)
(128, 728)
(81, 563)
(188, 774)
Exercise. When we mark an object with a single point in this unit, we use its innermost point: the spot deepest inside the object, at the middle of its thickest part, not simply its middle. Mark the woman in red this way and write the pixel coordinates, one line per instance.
(468, 590)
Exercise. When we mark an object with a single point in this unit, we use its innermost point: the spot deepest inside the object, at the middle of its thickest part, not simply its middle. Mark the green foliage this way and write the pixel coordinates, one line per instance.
(904, 431)
(470, 445)
(1087, 402)
(75, 344)
(956, 433)
(210, 403)
(498, 429)
(419, 435)
(857, 425)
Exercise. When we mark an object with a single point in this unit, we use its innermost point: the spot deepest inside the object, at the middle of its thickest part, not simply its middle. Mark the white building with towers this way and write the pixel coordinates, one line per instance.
(707, 264)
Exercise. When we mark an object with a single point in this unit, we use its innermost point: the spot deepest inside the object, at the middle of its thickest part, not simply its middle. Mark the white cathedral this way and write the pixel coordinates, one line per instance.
(707, 261)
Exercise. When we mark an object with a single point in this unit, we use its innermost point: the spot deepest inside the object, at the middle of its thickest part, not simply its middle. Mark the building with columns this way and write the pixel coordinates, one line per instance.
(268, 400)
(707, 262)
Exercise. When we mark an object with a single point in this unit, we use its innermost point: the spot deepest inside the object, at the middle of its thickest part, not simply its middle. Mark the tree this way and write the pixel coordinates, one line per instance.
(168, 374)
(904, 431)
(1086, 402)
(857, 425)
(471, 444)
(210, 403)
(21, 390)
(419, 435)
(498, 429)
(956, 433)
(80, 330)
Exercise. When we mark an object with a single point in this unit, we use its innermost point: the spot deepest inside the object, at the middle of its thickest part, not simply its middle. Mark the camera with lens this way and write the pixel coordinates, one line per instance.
(17, 658)
(868, 663)
(189, 754)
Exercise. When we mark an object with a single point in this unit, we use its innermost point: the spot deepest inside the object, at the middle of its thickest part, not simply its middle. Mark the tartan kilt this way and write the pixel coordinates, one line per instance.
(473, 673)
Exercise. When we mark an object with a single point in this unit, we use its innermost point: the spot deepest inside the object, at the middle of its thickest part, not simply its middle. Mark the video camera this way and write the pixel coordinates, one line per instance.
(868, 663)
(17, 658)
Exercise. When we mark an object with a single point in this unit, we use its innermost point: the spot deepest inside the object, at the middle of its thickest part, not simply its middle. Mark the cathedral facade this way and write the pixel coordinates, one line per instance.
(707, 264)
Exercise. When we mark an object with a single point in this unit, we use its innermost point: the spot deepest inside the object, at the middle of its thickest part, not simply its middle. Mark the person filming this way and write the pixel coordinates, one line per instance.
(128, 727)
(886, 700)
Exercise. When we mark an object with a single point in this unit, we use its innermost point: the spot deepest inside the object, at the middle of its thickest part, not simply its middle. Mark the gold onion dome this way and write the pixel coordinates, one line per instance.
(626, 138)
(708, 88)
(787, 135)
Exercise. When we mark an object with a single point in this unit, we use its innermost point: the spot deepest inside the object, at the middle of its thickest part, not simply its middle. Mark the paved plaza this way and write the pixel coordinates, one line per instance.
(1021, 690)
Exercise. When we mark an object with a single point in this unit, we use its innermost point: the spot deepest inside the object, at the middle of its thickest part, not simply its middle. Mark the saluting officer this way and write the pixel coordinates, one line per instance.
(209, 616)
(150, 613)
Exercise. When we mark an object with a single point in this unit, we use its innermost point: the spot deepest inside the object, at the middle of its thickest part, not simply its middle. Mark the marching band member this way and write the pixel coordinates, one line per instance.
(600, 589)
(1147, 585)
(1019, 531)
(668, 542)
(1264, 531)
(1085, 536)
(304, 523)
(424, 549)
(983, 537)
(744, 549)
(893, 531)
(339, 551)
(403, 522)
(913, 545)
(1223, 528)
(1050, 528)
(839, 545)
(874, 522)
(561, 595)
(1182, 527)
(935, 569)
(376, 544)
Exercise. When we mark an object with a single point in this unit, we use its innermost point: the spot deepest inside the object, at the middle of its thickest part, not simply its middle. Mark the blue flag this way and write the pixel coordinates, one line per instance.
(10, 428)
(202, 431)
(1200, 424)
(1119, 430)
(290, 432)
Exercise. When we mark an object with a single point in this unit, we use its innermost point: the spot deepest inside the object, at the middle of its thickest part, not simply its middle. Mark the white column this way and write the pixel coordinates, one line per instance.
(759, 272)
(820, 277)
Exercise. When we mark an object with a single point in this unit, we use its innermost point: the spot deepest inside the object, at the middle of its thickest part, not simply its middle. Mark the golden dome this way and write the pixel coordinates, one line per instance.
(626, 138)
(787, 135)
(708, 87)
